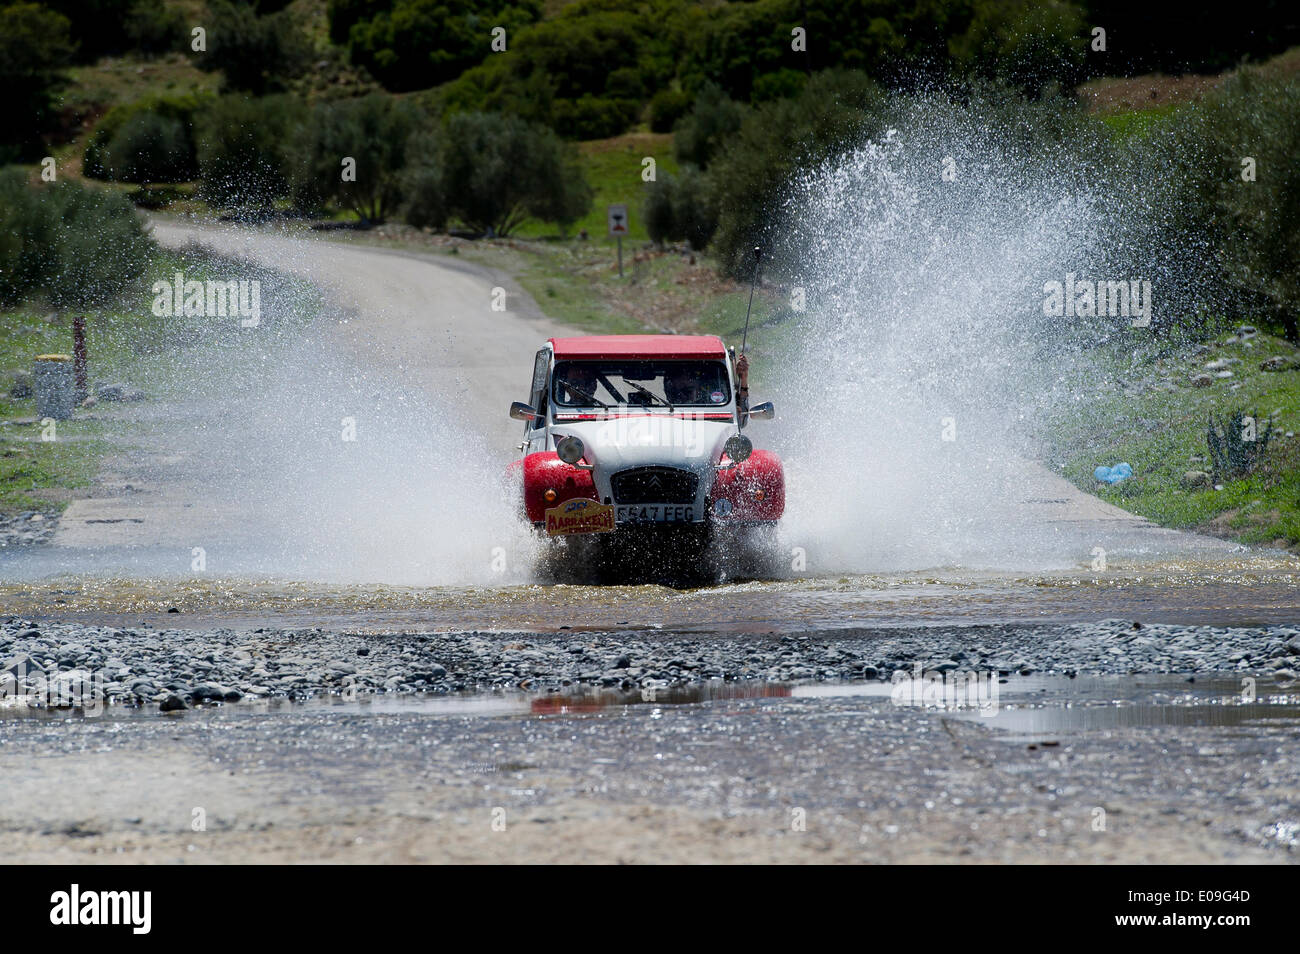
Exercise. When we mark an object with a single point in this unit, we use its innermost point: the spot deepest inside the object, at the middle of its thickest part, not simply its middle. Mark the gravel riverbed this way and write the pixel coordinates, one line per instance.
(178, 668)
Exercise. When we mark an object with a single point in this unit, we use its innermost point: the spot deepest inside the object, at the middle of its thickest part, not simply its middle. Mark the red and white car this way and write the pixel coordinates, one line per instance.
(635, 435)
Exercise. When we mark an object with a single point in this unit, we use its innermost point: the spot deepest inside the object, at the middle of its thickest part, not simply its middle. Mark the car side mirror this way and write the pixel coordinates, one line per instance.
(764, 411)
(523, 412)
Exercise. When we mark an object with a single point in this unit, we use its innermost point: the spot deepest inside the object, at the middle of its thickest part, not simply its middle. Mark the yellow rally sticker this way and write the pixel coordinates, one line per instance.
(579, 516)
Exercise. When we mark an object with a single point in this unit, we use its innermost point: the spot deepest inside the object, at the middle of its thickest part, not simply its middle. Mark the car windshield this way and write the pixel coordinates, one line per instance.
(640, 384)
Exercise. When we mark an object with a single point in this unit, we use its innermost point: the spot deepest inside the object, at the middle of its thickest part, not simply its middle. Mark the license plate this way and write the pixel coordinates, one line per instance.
(656, 513)
(579, 516)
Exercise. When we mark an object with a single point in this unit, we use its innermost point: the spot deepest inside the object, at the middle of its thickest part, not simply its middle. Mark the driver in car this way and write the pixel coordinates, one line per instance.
(579, 383)
(682, 386)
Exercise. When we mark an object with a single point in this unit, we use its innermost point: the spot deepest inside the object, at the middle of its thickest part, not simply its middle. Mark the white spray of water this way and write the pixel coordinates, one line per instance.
(925, 358)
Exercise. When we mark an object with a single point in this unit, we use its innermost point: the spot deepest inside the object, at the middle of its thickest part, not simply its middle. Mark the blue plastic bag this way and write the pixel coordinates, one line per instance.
(1113, 475)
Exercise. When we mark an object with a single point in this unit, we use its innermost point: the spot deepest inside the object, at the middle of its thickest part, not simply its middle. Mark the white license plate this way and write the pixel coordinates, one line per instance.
(655, 513)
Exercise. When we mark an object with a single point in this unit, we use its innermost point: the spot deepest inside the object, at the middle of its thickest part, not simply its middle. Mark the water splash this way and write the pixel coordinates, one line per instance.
(925, 362)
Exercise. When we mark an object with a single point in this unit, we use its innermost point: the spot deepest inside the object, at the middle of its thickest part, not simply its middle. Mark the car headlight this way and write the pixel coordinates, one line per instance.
(570, 449)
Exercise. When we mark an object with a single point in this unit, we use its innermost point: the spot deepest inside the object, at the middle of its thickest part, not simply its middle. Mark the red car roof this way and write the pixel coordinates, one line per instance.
(593, 347)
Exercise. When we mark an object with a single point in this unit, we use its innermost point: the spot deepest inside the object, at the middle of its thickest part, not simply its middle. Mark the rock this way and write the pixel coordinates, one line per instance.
(1221, 363)
(1194, 479)
(1278, 362)
(1292, 645)
(1201, 381)
(22, 385)
(110, 392)
(623, 661)
(208, 691)
(172, 702)
(19, 666)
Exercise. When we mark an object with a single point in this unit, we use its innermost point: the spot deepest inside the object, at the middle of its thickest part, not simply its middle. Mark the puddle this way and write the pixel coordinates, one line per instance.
(1033, 708)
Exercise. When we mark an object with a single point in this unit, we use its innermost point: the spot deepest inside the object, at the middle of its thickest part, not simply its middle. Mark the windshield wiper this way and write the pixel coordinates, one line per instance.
(581, 393)
(650, 394)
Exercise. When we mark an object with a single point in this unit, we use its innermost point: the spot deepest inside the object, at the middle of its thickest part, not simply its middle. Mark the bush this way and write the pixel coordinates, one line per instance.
(1260, 118)
(422, 185)
(244, 150)
(1034, 46)
(496, 171)
(69, 244)
(667, 107)
(154, 29)
(151, 147)
(414, 44)
(1244, 235)
(591, 117)
(35, 45)
(714, 118)
(256, 54)
(161, 117)
(681, 208)
(373, 131)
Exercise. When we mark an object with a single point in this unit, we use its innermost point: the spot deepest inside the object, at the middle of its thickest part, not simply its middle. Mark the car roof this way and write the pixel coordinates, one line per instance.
(592, 347)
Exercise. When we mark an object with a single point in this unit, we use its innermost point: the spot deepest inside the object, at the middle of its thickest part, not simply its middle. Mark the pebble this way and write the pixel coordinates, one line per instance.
(178, 669)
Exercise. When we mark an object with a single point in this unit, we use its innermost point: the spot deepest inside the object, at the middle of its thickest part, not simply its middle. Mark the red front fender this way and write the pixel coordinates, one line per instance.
(545, 471)
(755, 488)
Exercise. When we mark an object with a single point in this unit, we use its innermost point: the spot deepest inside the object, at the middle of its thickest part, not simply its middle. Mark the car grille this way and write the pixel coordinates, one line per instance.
(655, 485)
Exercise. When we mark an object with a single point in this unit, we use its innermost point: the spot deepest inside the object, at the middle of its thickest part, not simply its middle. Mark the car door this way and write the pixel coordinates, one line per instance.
(539, 398)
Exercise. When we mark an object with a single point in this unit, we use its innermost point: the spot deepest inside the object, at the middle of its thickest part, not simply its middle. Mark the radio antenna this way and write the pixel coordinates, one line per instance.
(758, 257)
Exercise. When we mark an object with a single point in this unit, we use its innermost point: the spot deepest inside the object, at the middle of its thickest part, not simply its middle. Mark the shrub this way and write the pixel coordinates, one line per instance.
(165, 116)
(1032, 45)
(667, 107)
(422, 185)
(256, 54)
(414, 44)
(244, 150)
(1238, 445)
(154, 29)
(680, 208)
(713, 118)
(835, 110)
(35, 45)
(69, 244)
(592, 117)
(151, 148)
(499, 170)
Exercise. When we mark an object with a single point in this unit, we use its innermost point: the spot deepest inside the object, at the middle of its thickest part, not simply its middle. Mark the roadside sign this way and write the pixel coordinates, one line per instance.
(618, 220)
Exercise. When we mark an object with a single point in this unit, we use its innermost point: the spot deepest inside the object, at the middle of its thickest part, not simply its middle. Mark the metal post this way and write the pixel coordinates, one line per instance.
(620, 256)
(79, 356)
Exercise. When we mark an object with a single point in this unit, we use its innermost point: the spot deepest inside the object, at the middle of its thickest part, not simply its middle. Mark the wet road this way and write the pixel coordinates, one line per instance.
(1098, 771)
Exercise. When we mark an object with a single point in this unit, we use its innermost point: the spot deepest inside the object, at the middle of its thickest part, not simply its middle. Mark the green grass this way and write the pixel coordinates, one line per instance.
(1138, 122)
(36, 474)
(613, 169)
(1162, 434)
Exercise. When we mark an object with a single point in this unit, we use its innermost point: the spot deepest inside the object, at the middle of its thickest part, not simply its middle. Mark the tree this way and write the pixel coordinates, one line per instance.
(35, 45)
(373, 132)
(498, 171)
(702, 131)
(243, 150)
(256, 53)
